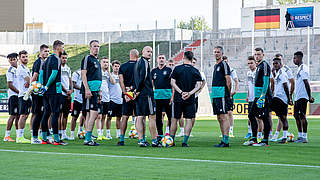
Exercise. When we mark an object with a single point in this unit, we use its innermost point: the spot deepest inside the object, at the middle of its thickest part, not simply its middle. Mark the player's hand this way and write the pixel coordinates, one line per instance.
(261, 101)
(290, 102)
(311, 100)
(185, 95)
(232, 94)
(171, 100)
(27, 84)
(43, 90)
(88, 93)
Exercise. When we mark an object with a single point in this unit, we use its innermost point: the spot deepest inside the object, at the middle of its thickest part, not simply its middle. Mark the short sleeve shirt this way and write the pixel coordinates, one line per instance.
(94, 75)
(105, 87)
(76, 77)
(37, 66)
(12, 77)
(65, 76)
(281, 78)
(219, 82)
(251, 76)
(22, 72)
(52, 63)
(300, 89)
(263, 69)
(126, 70)
(161, 81)
(115, 90)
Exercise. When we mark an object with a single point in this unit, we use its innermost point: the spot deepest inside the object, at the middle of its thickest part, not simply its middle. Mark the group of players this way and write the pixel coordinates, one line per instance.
(134, 89)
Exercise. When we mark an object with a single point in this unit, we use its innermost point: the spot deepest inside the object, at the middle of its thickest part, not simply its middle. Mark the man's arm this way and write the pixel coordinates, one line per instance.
(85, 83)
(141, 76)
(292, 84)
(307, 85)
(236, 88)
(196, 88)
(12, 87)
(272, 85)
(228, 82)
(75, 86)
(286, 90)
(27, 78)
(111, 79)
(71, 84)
(123, 88)
(175, 86)
(266, 81)
(203, 83)
(35, 76)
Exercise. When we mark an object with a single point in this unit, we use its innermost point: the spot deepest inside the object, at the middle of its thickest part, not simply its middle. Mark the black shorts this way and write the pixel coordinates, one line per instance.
(250, 106)
(13, 105)
(196, 104)
(229, 103)
(103, 108)
(66, 105)
(128, 108)
(24, 106)
(76, 109)
(92, 103)
(37, 104)
(187, 109)
(145, 106)
(115, 110)
(260, 112)
(52, 102)
(279, 107)
(300, 107)
(219, 106)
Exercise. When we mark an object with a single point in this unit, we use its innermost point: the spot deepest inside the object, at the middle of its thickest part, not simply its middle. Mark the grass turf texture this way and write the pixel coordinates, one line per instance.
(206, 132)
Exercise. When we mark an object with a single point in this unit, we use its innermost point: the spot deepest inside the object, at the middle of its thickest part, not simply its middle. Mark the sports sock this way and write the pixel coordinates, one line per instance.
(21, 132)
(99, 132)
(65, 132)
(231, 129)
(88, 136)
(249, 129)
(79, 129)
(172, 136)
(275, 136)
(305, 135)
(270, 134)
(108, 133)
(185, 139)
(299, 134)
(121, 138)
(182, 131)
(154, 140)
(31, 132)
(167, 129)
(44, 136)
(118, 132)
(40, 132)
(225, 139)
(56, 137)
(7, 133)
(71, 134)
(285, 134)
(141, 140)
(144, 138)
(259, 134)
(17, 133)
(133, 120)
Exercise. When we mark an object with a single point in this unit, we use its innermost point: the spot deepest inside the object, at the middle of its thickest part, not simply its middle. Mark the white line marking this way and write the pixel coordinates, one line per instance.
(159, 158)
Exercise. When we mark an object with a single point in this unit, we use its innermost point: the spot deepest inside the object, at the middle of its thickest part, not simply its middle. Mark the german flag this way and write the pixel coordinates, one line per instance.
(267, 19)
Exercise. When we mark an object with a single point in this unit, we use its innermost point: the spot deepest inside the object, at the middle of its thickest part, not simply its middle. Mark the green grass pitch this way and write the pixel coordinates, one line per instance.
(77, 161)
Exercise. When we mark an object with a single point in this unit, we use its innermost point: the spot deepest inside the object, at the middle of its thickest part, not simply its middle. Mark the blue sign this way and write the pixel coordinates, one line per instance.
(301, 17)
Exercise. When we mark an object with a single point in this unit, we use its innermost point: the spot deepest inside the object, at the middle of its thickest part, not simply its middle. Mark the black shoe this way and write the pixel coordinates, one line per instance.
(91, 143)
(94, 137)
(120, 143)
(63, 143)
(147, 143)
(185, 145)
(222, 144)
(155, 144)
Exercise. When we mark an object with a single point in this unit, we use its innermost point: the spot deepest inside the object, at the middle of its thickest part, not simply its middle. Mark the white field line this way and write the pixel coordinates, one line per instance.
(159, 158)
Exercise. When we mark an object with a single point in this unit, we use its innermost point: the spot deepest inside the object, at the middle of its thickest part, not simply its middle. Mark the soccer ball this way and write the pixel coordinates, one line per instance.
(290, 137)
(36, 86)
(166, 141)
(82, 135)
(133, 134)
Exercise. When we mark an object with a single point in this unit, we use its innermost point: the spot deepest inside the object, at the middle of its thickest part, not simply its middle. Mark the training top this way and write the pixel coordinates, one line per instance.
(203, 78)
(104, 87)
(115, 90)
(37, 66)
(94, 74)
(53, 62)
(281, 78)
(76, 77)
(233, 75)
(142, 78)
(219, 82)
(12, 77)
(251, 76)
(186, 77)
(126, 70)
(22, 72)
(65, 76)
(161, 81)
(263, 69)
(300, 89)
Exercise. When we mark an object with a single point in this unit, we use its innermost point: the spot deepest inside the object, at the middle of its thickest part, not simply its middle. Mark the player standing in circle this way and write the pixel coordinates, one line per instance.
(261, 105)
(301, 97)
(221, 87)
(91, 89)
(13, 103)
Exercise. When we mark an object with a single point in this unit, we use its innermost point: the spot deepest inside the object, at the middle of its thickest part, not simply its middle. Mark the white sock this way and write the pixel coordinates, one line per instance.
(276, 134)
(133, 120)
(17, 133)
(65, 132)
(99, 132)
(40, 132)
(60, 132)
(249, 129)
(231, 129)
(118, 132)
(305, 135)
(79, 129)
(181, 130)
(167, 129)
(299, 134)
(71, 134)
(108, 133)
(285, 134)
(31, 131)
(259, 134)
(7, 133)
(270, 133)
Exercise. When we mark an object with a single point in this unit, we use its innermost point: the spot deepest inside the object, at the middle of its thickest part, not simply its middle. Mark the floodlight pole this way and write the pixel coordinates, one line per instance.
(153, 51)
(252, 35)
(109, 44)
(201, 51)
(308, 48)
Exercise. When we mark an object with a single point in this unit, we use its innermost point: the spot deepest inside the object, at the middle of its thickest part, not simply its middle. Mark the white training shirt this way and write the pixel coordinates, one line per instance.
(22, 72)
(281, 77)
(300, 89)
(203, 77)
(12, 77)
(115, 90)
(76, 77)
(65, 75)
(105, 87)
(251, 77)
(233, 75)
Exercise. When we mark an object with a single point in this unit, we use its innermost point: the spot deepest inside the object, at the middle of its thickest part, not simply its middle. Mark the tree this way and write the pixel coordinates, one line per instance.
(197, 22)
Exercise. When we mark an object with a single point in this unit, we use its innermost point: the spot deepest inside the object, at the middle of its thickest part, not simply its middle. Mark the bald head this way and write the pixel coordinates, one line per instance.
(147, 52)
(134, 54)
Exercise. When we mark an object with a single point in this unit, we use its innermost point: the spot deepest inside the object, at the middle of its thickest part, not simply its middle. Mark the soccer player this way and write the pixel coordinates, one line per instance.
(37, 100)
(105, 102)
(281, 97)
(13, 92)
(126, 82)
(250, 95)
(91, 76)
(234, 89)
(221, 87)
(301, 97)
(185, 79)
(144, 98)
(77, 104)
(260, 107)
(50, 78)
(162, 92)
(291, 87)
(66, 84)
(24, 76)
(115, 106)
(171, 65)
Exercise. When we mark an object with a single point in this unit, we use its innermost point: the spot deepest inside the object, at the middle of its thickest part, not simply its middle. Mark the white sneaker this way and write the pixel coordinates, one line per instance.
(50, 139)
(248, 143)
(35, 141)
(70, 138)
(180, 134)
(109, 137)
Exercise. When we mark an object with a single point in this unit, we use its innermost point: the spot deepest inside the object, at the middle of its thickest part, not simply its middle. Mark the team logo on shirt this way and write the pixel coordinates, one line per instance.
(95, 65)
(165, 73)
(155, 76)
(218, 68)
